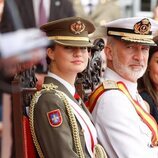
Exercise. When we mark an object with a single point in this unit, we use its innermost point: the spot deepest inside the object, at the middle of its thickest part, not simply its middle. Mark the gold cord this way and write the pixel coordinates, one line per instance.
(73, 122)
(31, 120)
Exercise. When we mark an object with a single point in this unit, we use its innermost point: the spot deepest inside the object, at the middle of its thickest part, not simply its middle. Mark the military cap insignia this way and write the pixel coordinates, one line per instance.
(142, 27)
(77, 27)
(55, 118)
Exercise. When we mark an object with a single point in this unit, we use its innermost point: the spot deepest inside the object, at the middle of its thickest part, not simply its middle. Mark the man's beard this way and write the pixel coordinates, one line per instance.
(127, 72)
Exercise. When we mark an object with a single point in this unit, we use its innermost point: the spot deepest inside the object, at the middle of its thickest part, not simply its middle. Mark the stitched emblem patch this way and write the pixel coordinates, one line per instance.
(55, 118)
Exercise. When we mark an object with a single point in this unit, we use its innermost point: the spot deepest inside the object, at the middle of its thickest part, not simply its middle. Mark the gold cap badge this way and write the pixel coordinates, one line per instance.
(142, 27)
(77, 27)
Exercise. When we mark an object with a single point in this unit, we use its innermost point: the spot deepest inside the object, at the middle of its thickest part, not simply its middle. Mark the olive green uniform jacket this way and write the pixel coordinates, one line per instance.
(56, 142)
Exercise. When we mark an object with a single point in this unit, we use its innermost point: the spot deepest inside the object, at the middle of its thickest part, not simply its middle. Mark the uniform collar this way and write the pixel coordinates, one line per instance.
(69, 87)
(112, 75)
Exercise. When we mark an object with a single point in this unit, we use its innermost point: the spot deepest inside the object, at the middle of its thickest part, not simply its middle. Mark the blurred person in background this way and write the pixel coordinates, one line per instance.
(148, 84)
(155, 12)
(34, 13)
(98, 11)
(1, 8)
(26, 48)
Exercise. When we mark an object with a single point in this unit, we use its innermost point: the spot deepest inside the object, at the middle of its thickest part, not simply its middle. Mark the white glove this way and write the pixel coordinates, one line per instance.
(21, 42)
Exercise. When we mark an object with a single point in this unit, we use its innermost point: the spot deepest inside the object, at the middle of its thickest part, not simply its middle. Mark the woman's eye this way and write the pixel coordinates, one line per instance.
(130, 47)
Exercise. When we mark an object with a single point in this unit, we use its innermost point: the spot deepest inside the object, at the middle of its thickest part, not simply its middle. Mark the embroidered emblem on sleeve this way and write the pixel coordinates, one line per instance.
(55, 118)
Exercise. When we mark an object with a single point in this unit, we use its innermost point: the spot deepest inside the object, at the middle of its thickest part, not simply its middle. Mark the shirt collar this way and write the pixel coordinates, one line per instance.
(112, 75)
(70, 88)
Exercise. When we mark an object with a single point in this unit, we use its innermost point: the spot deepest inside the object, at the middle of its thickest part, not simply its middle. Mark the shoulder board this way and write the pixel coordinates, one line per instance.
(109, 84)
(105, 85)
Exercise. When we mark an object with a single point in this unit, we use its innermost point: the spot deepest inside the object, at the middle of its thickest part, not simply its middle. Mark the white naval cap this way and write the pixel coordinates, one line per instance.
(135, 29)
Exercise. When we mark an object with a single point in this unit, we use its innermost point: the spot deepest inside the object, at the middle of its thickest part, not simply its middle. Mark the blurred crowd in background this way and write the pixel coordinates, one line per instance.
(1, 7)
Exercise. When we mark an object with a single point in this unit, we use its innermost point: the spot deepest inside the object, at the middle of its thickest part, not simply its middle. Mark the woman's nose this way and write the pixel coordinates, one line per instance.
(77, 52)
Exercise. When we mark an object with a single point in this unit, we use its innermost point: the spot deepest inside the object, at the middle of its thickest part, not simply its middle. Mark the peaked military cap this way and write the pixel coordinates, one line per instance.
(136, 29)
(72, 31)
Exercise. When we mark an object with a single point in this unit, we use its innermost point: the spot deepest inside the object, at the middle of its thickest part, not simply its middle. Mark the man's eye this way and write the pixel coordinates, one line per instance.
(83, 48)
(67, 47)
(146, 48)
(130, 47)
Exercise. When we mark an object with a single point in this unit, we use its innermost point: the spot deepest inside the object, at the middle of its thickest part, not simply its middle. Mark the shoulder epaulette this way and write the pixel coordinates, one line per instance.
(109, 84)
(105, 85)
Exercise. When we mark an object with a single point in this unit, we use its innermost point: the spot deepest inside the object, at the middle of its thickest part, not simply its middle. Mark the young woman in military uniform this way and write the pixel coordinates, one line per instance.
(60, 126)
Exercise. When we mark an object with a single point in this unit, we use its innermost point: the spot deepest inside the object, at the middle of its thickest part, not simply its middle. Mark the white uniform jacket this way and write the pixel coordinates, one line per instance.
(120, 129)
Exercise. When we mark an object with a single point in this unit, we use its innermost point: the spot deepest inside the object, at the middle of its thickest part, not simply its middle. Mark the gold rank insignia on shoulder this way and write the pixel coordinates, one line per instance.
(77, 27)
(55, 118)
(109, 84)
(142, 27)
(49, 86)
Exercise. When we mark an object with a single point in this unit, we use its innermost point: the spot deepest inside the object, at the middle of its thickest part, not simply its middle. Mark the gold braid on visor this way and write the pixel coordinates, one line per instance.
(130, 35)
(68, 38)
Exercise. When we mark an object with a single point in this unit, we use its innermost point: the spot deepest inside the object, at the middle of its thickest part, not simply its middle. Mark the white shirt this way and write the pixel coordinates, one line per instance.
(120, 129)
(70, 88)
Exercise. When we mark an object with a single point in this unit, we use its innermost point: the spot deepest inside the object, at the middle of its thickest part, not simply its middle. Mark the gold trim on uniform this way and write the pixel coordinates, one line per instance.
(99, 152)
(68, 38)
(109, 84)
(130, 35)
(138, 40)
(77, 27)
(142, 27)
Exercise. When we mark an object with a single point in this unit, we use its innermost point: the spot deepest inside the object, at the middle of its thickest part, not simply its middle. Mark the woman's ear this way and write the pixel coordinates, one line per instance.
(108, 52)
(50, 53)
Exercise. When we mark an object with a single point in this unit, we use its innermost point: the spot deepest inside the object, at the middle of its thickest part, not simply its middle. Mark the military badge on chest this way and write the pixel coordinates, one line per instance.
(55, 118)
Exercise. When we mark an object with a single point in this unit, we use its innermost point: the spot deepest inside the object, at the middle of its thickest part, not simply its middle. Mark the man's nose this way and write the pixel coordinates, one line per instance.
(139, 55)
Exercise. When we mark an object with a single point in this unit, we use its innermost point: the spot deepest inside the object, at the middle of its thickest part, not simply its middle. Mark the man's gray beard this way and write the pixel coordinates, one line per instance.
(122, 70)
(133, 75)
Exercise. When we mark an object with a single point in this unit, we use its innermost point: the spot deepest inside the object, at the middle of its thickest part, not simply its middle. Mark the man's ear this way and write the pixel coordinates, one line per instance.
(108, 52)
(50, 53)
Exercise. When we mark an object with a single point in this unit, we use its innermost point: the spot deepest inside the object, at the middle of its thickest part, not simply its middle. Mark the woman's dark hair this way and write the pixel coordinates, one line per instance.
(47, 58)
(152, 50)
(145, 83)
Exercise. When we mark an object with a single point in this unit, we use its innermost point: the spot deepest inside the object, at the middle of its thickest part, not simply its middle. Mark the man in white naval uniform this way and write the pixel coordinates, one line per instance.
(124, 125)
